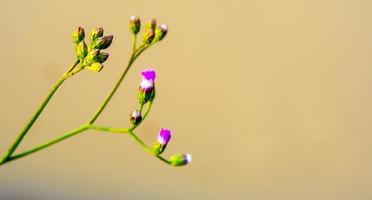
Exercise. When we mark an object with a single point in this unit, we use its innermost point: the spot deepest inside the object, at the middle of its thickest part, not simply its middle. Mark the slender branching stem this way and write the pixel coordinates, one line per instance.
(135, 54)
(49, 143)
(109, 129)
(133, 57)
(147, 148)
(35, 116)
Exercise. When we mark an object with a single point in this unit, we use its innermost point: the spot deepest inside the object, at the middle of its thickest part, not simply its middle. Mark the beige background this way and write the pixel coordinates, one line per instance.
(272, 98)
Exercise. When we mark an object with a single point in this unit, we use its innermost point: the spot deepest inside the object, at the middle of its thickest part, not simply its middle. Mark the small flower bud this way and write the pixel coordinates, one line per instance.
(78, 35)
(134, 24)
(135, 117)
(180, 159)
(148, 36)
(151, 25)
(146, 91)
(91, 56)
(96, 33)
(81, 50)
(163, 139)
(95, 55)
(95, 67)
(102, 42)
(160, 33)
(101, 57)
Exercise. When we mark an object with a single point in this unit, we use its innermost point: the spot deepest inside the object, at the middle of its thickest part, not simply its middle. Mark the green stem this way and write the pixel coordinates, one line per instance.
(36, 115)
(134, 42)
(147, 148)
(133, 57)
(49, 143)
(109, 129)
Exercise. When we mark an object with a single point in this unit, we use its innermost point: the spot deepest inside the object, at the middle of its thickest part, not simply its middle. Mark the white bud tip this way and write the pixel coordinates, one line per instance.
(164, 27)
(188, 158)
(136, 113)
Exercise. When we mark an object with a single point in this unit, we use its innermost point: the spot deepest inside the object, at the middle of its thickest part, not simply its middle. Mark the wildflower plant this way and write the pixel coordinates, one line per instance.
(91, 56)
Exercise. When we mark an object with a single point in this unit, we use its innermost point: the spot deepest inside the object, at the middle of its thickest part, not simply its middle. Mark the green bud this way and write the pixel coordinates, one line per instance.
(81, 50)
(148, 36)
(95, 67)
(145, 95)
(102, 42)
(95, 55)
(160, 33)
(151, 25)
(96, 33)
(134, 24)
(180, 159)
(101, 57)
(78, 35)
(91, 57)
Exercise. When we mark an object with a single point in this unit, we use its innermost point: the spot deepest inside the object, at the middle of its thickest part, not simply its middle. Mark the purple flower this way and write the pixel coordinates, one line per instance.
(148, 78)
(147, 90)
(164, 136)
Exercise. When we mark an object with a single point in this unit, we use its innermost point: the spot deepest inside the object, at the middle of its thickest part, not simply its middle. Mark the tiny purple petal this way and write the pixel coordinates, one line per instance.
(148, 74)
(164, 136)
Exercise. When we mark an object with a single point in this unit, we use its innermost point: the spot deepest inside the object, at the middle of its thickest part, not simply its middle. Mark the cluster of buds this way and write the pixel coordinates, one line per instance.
(90, 57)
(152, 33)
(146, 91)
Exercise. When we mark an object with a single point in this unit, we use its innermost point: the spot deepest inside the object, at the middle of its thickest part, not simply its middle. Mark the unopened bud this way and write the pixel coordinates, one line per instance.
(101, 57)
(102, 42)
(96, 33)
(163, 139)
(78, 35)
(180, 159)
(135, 117)
(148, 36)
(151, 25)
(160, 33)
(81, 50)
(134, 24)
(95, 67)
(146, 91)
(95, 55)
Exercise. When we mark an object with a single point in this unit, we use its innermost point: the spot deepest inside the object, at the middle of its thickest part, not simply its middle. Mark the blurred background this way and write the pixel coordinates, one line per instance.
(272, 98)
